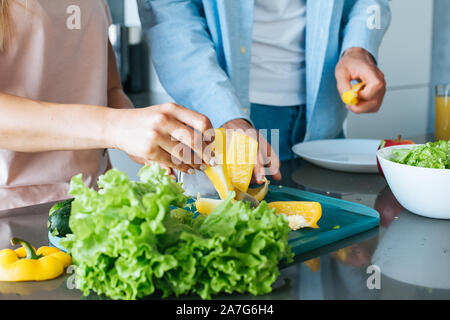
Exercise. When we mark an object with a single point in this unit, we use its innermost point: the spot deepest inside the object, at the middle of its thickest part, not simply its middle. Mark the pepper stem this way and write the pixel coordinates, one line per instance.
(31, 253)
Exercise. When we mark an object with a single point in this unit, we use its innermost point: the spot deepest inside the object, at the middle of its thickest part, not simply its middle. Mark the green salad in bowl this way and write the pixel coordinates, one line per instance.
(419, 177)
(434, 155)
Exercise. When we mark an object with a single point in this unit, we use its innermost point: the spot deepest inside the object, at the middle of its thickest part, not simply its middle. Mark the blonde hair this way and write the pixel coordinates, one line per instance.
(5, 24)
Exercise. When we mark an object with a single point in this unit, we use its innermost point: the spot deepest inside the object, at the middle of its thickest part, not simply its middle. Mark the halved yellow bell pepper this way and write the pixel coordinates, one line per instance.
(26, 264)
(311, 212)
(235, 164)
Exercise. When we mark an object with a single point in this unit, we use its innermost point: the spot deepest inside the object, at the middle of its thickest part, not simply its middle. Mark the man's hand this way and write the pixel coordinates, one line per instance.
(358, 64)
(266, 156)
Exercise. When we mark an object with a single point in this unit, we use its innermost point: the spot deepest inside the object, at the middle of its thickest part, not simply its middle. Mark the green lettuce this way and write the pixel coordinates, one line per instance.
(430, 155)
(114, 239)
(234, 249)
(132, 238)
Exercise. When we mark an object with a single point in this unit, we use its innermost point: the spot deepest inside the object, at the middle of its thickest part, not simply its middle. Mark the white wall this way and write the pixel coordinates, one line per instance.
(405, 59)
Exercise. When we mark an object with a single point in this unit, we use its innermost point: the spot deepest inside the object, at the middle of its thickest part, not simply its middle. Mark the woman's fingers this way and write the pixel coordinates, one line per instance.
(138, 159)
(182, 120)
(142, 161)
(193, 119)
(186, 136)
(163, 157)
(180, 153)
(142, 132)
(169, 170)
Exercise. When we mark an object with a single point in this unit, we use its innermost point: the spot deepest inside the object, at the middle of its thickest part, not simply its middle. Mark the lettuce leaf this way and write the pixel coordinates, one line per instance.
(430, 155)
(132, 238)
(114, 235)
(234, 249)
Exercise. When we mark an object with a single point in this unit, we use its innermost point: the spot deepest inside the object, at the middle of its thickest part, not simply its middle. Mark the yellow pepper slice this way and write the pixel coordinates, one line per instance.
(235, 167)
(351, 97)
(310, 211)
(260, 192)
(241, 158)
(26, 264)
(218, 174)
(206, 206)
(313, 264)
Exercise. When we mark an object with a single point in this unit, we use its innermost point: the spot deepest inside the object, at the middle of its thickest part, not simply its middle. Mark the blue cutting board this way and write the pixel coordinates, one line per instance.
(352, 218)
(340, 219)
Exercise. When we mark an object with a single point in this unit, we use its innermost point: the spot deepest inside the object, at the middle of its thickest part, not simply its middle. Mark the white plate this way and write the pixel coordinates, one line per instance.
(349, 155)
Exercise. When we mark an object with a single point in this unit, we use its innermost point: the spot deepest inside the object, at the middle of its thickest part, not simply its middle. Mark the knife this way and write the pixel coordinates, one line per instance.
(245, 197)
(200, 183)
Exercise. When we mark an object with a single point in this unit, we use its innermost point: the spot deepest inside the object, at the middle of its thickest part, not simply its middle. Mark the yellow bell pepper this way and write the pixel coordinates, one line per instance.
(26, 264)
(351, 97)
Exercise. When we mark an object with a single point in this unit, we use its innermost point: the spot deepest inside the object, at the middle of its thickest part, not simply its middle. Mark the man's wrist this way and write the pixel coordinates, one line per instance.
(358, 51)
(355, 50)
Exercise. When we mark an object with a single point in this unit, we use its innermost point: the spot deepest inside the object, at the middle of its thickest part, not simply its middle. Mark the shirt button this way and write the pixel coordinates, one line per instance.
(243, 50)
(245, 110)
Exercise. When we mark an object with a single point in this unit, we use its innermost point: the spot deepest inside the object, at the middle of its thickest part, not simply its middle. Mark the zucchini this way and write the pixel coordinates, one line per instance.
(58, 220)
(59, 205)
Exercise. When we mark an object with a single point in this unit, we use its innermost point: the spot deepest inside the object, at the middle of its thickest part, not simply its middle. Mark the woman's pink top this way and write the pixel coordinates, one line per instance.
(58, 53)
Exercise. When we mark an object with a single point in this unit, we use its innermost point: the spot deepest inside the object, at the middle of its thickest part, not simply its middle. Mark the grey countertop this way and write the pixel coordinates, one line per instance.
(407, 257)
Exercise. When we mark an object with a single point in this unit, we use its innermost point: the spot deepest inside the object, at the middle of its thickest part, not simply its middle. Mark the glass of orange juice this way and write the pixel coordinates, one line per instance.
(442, 112)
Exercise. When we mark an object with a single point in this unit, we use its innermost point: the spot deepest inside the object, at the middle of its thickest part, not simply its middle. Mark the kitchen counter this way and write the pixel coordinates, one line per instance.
(406, 257)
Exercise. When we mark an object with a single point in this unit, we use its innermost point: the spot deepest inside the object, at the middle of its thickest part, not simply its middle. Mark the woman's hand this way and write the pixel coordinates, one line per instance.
(358, 64)
(164, 134)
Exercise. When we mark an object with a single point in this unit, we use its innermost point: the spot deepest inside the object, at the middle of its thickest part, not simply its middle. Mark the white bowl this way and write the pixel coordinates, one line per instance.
(422, 191)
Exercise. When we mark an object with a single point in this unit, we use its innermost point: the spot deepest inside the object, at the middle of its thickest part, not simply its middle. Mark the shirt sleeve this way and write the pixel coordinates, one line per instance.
(365, 23)
(186, 61)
